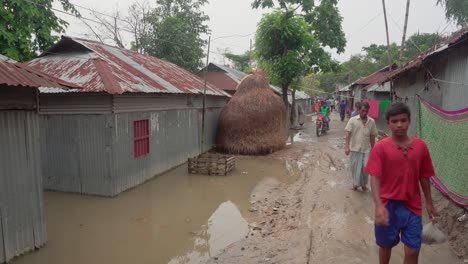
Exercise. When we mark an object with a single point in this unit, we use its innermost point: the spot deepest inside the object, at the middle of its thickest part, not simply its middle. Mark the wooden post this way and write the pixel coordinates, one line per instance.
(204, 97)
(404, 30)
(388, 38)
(250, 57)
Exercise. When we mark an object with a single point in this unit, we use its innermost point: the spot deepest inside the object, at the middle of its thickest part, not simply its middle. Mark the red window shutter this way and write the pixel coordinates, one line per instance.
(141, 138)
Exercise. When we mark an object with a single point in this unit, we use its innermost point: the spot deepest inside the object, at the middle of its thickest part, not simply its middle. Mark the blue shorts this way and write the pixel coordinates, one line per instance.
(402, 221)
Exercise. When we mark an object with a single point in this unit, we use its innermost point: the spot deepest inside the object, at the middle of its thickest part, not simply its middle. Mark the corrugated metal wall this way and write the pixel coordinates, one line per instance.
(76, 151)
(174, 137)
(455, 95)
(449, 96)
(75, 103)
(22, 226)
(93, 154)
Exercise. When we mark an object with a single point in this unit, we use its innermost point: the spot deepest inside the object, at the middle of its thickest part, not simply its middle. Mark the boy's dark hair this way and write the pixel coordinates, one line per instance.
(366, 105)
(397, 109)
(358, 104)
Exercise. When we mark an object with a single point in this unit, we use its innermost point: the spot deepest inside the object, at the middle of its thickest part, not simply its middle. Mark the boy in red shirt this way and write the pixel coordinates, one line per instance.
(398, 164)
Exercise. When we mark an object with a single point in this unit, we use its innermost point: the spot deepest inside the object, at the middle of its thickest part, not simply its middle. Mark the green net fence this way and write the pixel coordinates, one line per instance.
(446, 134)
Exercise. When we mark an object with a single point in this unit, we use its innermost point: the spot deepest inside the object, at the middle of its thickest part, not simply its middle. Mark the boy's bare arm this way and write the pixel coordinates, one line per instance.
(381, 213)
(426, 187)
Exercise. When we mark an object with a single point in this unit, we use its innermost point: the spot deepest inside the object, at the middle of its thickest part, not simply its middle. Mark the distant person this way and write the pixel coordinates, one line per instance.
(337, 104)
(342, 110)
(329, 104)
(360, 139)
(398, 165)
(356, 110)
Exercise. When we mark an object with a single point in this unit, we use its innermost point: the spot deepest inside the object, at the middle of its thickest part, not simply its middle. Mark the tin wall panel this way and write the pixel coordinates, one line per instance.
(75, 103)
(21, 197)
(75, 153)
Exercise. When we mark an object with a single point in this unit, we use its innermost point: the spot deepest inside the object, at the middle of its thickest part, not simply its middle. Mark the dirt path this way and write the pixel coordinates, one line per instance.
(316, 219)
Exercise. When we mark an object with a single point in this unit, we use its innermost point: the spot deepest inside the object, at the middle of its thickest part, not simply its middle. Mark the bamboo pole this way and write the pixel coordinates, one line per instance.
(388, 38)
(404, 30)
(204, 98)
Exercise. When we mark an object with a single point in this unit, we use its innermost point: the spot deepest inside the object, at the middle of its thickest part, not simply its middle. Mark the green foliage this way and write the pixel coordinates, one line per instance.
(375, 57)
(283, 44)
(419, 42)
(325, 19)
(175, 35)
(290, 41)
(456, 10)
(241, 62)
(27, 28)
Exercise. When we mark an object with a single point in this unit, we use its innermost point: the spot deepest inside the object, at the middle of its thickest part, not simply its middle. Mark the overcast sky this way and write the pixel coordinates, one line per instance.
(363, 22)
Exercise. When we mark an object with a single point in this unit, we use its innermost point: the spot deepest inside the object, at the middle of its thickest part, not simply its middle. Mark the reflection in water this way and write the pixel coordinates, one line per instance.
(179, 217)
(225, 226)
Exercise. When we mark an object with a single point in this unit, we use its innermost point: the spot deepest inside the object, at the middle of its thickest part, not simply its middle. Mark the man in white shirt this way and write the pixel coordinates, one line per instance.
(360, 139)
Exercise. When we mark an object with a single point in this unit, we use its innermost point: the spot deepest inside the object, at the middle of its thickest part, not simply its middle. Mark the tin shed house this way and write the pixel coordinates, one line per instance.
(136, 116)
(22, 226)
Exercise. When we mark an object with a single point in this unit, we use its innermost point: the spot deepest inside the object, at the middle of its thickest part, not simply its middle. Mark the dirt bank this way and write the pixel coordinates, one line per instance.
(318, 219)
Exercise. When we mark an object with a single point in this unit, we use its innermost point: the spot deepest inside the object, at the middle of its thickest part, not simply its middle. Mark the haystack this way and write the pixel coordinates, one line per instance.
(253, 121)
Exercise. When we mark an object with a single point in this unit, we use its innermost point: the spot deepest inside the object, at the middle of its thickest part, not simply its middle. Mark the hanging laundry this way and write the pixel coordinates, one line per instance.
(374, 108)
(384, 104)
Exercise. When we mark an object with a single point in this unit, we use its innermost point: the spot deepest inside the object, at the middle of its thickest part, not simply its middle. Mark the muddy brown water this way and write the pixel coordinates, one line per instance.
(174, 218)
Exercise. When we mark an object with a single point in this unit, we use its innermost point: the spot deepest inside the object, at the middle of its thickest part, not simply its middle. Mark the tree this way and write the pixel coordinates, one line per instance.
(138, 24)
(241, 61)
(290, 41)
(26, 28)
(419, 42)
(175, 32)
(108, 29)
(456, 10)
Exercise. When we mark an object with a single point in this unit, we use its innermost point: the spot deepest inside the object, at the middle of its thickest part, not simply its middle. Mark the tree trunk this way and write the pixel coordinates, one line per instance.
(284, 89)
(293, 109)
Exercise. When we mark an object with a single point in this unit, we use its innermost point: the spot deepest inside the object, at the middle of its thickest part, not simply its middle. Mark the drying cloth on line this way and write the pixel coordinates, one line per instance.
(384, 104)
(374, 108)
(446, 135)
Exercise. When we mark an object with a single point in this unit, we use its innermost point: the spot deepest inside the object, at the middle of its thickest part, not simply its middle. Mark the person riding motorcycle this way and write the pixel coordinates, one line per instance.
(325, 110)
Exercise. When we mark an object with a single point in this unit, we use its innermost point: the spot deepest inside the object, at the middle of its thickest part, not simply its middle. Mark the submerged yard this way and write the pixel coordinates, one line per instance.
(174, 218)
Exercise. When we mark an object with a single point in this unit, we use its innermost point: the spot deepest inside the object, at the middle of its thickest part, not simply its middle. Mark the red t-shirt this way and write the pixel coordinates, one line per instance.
(399, 172)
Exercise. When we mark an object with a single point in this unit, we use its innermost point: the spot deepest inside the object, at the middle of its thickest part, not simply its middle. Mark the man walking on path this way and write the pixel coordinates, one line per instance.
(360, 139)
(342, 110)
(398, 165)
(356, 110)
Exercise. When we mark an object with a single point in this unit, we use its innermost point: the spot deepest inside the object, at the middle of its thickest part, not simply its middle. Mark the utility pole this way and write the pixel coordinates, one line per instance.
(388, 38)
(250, 56)
(404, 30)
(204, 97)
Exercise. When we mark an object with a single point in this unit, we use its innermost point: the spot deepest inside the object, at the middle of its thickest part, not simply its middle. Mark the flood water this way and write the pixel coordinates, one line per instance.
(174, 218)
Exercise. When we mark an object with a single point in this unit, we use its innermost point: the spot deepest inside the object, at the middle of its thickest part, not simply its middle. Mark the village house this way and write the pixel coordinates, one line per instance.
(22, 226)
(227, 79)
(439, 76)
(136, 116)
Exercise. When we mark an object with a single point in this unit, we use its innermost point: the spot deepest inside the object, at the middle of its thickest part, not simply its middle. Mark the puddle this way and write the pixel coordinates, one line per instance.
(175, 218)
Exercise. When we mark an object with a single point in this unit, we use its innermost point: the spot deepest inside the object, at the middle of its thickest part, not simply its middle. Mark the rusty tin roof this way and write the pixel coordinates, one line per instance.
(18, 74)
(98, 67)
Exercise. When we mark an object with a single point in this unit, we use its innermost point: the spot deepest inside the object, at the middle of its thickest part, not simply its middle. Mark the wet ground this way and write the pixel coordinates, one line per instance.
(293, 206)
(175, 218)
(318, 219)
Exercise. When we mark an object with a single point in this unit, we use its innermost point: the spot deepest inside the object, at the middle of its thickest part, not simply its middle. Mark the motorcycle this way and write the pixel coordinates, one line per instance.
(321, 124)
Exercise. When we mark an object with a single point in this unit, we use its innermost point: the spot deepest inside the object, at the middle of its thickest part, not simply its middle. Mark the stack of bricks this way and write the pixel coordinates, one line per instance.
(211, 164)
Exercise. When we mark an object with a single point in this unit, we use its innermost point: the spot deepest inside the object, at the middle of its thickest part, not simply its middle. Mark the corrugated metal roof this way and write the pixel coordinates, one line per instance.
(457, 39)
(17, 74)
(233, 73)
(237, 76)
(98, 67)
